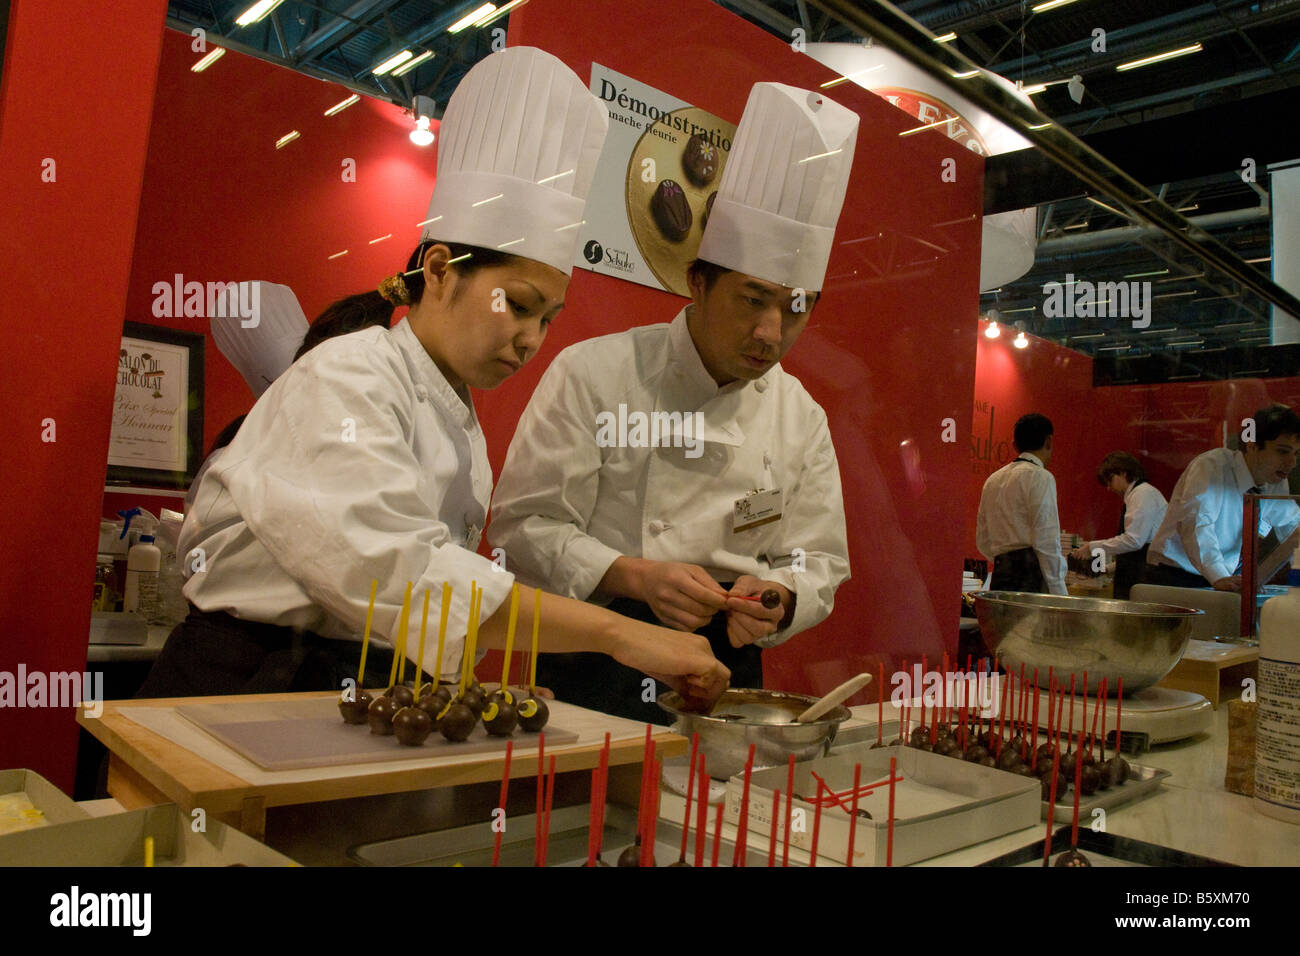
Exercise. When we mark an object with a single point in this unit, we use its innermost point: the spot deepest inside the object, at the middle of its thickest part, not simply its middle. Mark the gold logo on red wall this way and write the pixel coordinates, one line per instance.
(930, 110)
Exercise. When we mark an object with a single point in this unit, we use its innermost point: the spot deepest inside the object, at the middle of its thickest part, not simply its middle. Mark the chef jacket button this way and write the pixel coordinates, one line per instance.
(657, 527)
(421, 393)
(761, 385)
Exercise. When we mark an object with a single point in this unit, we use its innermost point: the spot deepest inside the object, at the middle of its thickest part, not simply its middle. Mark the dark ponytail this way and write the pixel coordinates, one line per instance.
(365, 309)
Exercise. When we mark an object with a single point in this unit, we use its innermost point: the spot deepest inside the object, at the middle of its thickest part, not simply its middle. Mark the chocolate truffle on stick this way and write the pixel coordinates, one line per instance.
(354, 709)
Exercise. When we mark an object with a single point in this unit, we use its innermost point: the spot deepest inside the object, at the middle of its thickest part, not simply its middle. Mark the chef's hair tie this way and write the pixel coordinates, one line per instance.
(394, 290)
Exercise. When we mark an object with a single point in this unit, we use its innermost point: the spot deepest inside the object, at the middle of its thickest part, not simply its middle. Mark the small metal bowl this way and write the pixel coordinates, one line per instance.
(1137, 641)
(764, 718)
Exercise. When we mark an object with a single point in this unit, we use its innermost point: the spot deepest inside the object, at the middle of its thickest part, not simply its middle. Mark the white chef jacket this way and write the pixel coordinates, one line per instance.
(359, 462)
(1201, 531)
(1018, 510)
(566, 508)
(1144, 508)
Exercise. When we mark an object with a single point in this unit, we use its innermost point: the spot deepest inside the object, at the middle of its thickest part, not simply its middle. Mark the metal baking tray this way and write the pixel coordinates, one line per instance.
(1104, 849)
(1141, 782)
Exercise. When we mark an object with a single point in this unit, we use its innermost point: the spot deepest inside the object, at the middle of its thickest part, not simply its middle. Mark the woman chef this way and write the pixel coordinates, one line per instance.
(365, 459)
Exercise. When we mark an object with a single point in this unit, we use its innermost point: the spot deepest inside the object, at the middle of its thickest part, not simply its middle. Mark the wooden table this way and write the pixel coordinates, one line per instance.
(146, 769)
(1201, 668)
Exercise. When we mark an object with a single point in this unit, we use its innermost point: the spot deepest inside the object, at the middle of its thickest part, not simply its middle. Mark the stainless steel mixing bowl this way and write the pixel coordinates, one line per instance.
(764, 718)
(1112, 639)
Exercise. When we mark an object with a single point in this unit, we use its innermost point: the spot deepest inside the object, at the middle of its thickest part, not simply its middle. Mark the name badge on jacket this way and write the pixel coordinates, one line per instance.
(758, 508)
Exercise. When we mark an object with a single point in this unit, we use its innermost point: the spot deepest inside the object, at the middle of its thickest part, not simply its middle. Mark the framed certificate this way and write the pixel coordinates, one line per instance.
(157, 434)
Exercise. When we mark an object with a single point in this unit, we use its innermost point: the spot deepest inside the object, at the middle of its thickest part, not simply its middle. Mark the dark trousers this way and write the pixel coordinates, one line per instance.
(599, 682)
(1018, 570)
(212, 653)
(1129, 569)
(1172, 577)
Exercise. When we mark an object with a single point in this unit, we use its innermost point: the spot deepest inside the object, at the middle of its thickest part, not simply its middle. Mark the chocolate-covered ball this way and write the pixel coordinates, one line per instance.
(533, 714)
(503, 694)
(354, 711)
(632, 855)
(1008, 759)
(1016, 743)
(948, 747)
(456, 722)
(474, 699)
(1023, 769)
(1062, 786)
(987, 761)
(412, 726)
(402, 695)
(1089, 779)
(445, 691)
(433, 705)
(500, 717)
(919, 735)
(975, 753)
(878, 745)
(1044, 750)
(1067, 763)
(1087, 758)
(943, 731)
(925, 745)
(380, 715)
(1072, 858)
(1116, 770)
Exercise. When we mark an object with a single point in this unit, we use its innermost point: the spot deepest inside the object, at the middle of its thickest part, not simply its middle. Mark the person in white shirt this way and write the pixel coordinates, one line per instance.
(730, 487)
(1144, 508)
(1017, 526)
(365, 458)
(1198, 544)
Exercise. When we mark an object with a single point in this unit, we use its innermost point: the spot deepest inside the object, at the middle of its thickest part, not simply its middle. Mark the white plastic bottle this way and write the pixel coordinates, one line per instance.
(1277, 734)
(142, 564)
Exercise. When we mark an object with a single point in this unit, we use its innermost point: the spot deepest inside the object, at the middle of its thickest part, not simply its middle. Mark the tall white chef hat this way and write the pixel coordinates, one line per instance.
(516, 154)
(783, 187)
(259, 329)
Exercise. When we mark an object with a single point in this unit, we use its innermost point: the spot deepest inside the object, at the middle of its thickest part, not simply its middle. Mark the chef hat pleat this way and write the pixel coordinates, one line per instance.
(783, 187)
(260, 345)
(517, 152)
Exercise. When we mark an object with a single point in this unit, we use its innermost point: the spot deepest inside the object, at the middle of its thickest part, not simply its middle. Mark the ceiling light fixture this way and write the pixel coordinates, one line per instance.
(500, 12)
(341, 105)
(1159, 58)
(208, 60)
(422, 107)
(286, 139)
(256, 12)
(993, 331)
(473, 17)
(396, 60)
(1049, 5)
(1020, 341)
(410, 65)
(946, 38)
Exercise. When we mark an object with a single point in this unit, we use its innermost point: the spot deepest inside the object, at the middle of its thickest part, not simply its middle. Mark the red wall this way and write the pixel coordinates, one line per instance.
(70, 89)
(887, 353)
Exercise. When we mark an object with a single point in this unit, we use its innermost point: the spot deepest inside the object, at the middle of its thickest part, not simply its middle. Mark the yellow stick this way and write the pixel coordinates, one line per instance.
(469, 630)
(401, 635)
(442, 632)
(148, 851)
(419, 664)
(510, 634)
(537, 623)
(365, 638)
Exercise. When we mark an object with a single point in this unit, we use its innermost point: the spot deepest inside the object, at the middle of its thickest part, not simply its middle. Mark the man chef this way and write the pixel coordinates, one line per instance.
(1143, 510)
(1198, 544)
(741, 492)
(1017, 525)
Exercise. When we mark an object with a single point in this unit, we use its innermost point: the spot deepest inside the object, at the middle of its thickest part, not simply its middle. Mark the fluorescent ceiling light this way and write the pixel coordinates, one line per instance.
(397, 59)
(208, 60)
(287, 138)
(1034, 89)
(340, 106)
(1049, 5)
(1159, 57)
(848, 76)
(500, 12)
(473, 17)
(411, 65)
(946, 38)
(1139, 275)
(256, 12)
(966, 75)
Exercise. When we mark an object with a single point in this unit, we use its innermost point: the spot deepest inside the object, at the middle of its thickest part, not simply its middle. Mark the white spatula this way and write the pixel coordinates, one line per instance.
(834, 699)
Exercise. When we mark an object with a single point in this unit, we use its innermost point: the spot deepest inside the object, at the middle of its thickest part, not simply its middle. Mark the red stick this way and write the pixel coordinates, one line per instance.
(1020, 712)
(817, 825)
(1119, 718)
(919, 691)
(1051, 806)
(1083, 718)
(776, 812)
(853, 815)
(654, 812)
(690, 790)
(789, 804)
(604, 788)
(550, 795)
(505, 787)
(1092, 732)
(1101, 704)
(943, 694)
(1033, 731)
(1051, 702)
(1069, 734)
(1078, 775)
(889, 842)
(651, 785)
(717, 835)
(702, 818)
(880, 706)
(742, 830)
(541, 797)
(1002, 714)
